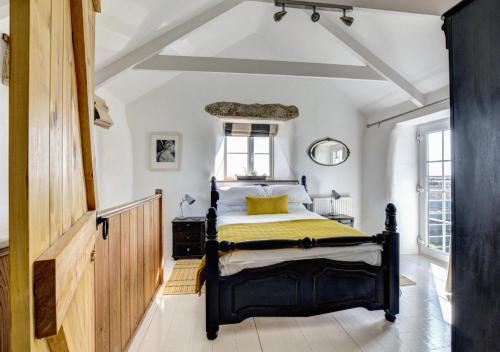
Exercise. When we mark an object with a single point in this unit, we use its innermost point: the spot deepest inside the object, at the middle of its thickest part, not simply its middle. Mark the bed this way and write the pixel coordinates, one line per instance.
(293, 276)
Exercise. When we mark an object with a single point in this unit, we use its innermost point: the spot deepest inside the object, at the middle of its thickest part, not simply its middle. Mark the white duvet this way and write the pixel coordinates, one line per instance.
(235, 262)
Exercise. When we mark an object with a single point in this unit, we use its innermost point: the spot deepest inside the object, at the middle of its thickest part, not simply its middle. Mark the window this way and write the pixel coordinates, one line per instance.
(248, 156)
(435, 187)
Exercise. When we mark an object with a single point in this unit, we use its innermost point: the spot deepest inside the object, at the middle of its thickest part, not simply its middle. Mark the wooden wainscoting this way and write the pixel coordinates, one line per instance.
(4, 300)
(128, 270)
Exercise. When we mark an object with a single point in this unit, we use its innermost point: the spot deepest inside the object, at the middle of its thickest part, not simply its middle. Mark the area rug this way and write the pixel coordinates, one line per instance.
(183, 278)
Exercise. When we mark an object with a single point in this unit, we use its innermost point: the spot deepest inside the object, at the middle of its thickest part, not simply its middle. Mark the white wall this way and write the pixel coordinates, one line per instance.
(391, 175)
(327, 114)
(402, 173)
(114, 156)
(375, 180)
(178, 106)
(388, 177)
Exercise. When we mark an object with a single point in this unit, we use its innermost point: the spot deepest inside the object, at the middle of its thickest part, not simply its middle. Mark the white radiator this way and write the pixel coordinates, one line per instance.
(326, 206)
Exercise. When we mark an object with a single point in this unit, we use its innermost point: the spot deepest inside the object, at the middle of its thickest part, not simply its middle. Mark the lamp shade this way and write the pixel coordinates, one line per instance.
(188, 199)
(336, 195)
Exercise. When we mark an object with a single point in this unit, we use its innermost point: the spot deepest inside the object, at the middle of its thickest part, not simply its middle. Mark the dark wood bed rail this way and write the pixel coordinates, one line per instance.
(305, 243)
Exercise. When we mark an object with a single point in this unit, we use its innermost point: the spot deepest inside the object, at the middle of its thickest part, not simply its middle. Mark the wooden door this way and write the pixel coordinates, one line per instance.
(52, 191)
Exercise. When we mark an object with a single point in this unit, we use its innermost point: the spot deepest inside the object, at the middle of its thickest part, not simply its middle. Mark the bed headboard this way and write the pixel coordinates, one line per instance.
(214, 194)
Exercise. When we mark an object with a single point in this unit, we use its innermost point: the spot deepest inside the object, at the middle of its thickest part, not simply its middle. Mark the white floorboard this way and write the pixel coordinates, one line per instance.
(176, 323)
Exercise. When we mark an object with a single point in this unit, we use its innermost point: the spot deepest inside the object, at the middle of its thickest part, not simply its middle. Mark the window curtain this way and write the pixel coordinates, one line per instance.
(250, 130)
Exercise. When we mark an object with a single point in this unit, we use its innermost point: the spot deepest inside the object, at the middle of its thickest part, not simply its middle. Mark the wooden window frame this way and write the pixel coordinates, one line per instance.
(250, 156)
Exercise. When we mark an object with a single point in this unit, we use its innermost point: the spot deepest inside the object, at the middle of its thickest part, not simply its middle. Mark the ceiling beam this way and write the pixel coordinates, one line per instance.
(153, 47)
(424, 7)
(257, 67)
(373, 61)
(156, 45)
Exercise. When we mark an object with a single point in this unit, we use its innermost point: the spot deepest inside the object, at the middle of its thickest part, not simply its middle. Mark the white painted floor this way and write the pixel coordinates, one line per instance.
(176, 323)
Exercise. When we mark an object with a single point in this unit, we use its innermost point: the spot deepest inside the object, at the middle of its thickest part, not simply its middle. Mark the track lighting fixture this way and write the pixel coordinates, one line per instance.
(315, 16)
(348, 20)
(278, 16)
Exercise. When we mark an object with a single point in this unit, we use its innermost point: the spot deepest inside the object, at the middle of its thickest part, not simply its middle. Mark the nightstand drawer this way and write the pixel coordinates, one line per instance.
(194, 228)
(189, 237)
(187, 250)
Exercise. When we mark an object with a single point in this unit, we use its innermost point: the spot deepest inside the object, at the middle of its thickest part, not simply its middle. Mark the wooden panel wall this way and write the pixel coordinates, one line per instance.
(128, 272)
(4, 300)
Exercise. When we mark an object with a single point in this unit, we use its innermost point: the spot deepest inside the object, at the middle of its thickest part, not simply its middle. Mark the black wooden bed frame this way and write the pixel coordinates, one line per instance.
(303, 287)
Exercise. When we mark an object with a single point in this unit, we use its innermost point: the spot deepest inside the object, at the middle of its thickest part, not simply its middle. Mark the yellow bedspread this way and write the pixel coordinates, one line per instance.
(281, 230)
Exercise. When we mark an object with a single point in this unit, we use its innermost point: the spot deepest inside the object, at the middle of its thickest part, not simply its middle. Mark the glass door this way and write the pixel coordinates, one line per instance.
(435, 189)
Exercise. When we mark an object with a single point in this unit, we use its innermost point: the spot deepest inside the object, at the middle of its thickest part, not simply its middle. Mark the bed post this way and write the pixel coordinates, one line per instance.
(212, 275)
(214, 195)
(303, 182)
(390, 262)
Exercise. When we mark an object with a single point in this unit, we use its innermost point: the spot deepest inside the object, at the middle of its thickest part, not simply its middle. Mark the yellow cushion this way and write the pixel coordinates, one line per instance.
(267, 205)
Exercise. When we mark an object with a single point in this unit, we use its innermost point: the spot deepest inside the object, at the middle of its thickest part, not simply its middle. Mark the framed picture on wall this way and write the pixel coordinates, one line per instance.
(165, 151)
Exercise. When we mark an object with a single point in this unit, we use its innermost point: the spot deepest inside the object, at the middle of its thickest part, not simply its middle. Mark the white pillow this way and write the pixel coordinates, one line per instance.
(296, 207)
(221, 208)
(236, 195)
(295, 193)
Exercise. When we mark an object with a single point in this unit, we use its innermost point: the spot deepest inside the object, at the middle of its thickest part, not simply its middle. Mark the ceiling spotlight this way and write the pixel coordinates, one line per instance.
(315, 16)
(348, 20)
(278, 16)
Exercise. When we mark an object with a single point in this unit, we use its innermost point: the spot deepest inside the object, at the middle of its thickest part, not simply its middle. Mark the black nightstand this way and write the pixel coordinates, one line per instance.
(343, 219)
(188, 237)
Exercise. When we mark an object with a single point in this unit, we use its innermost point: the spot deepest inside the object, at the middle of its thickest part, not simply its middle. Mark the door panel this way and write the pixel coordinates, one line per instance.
(52, 191)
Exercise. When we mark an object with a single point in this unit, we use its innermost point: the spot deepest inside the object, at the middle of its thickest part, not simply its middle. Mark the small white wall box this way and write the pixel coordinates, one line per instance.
(101, 113)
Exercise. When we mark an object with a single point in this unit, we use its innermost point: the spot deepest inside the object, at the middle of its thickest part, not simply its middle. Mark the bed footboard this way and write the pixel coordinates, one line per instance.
(304, 287)
(300, 288)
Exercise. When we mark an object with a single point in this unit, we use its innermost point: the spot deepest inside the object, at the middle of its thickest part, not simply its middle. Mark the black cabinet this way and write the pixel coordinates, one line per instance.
(473, 39)
(188, 237)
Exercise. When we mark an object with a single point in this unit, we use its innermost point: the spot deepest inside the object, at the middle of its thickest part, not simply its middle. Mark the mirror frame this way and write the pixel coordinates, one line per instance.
(327, 139)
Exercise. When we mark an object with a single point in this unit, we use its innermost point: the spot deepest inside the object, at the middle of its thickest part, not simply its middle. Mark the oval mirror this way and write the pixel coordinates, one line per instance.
(328, 152)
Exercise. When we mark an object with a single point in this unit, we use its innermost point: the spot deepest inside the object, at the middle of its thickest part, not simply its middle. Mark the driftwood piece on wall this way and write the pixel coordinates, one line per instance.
(274, 112)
